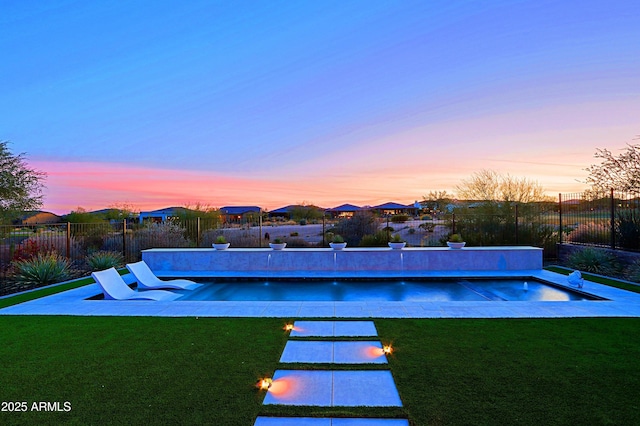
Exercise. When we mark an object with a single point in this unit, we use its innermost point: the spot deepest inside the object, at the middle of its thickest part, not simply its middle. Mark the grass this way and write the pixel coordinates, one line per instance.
(145, 370)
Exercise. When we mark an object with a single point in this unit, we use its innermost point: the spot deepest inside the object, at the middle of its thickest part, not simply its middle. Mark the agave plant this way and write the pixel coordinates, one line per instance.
(100, 260)
(594, 261)
(43, 268)
(633, 273)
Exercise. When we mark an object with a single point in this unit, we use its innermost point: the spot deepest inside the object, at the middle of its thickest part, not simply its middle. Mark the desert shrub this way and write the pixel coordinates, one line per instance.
(378, 239)
(45, 243)
(303, 222)
(389, 229)
(297, 242)
(590, 233)
(355, 228)
(166, 234)
(100, 260)
(42, 269)
(91, 235)
(29, 248)
(594, 261)
(399, 218)
(633, 272)
(293, 234)
(243, 238)
(627, 226)
(411, 231)
(210, 236)
(427, 226)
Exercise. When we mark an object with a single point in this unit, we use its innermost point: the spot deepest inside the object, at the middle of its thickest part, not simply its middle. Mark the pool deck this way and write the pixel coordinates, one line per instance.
(620, 303)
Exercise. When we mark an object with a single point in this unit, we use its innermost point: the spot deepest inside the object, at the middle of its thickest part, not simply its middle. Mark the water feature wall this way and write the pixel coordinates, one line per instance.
(350, 262)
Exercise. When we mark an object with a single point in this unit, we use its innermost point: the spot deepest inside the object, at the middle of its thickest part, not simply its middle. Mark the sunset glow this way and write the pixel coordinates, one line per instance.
(270, 104)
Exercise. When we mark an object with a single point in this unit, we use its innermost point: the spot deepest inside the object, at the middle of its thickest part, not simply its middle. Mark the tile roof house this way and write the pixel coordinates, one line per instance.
(394, 208)
(344, 210)
(38, 218)
(162, 215)
(239, 213)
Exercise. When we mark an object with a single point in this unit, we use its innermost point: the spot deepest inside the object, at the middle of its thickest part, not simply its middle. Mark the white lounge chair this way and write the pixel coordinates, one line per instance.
(147, 279)
(114, 288)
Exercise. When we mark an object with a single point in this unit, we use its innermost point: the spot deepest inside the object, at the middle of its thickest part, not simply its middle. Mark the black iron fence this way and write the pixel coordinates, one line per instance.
(610, 220)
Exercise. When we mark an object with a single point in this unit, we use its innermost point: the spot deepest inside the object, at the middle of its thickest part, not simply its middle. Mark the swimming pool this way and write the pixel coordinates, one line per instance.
(389, 290)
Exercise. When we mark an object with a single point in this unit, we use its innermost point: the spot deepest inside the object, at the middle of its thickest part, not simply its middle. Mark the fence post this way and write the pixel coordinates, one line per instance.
(560, 218)
(613, 222)
(124, 238)
(453, 223)
(68, 240)
(516, 223)
(260, 226)
(198, 231)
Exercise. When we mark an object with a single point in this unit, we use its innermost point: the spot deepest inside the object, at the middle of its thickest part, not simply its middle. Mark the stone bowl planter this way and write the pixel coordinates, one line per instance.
(338, 246)
(277, 246)
(397, 246)
(221, 246)
(455, 245)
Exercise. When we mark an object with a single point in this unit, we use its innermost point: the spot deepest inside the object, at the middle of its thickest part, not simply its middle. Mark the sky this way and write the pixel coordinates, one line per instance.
(170, 103)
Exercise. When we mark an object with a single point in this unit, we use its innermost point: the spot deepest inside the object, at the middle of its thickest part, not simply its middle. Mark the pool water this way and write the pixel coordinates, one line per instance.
(409, 290)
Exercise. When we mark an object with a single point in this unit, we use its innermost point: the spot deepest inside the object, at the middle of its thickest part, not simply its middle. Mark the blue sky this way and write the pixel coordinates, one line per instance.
(157, 103)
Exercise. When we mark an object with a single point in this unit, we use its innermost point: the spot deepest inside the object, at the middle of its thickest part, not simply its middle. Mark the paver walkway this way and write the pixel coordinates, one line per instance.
(333, 387)
(333, 352)
(334, 329)
(317, 421)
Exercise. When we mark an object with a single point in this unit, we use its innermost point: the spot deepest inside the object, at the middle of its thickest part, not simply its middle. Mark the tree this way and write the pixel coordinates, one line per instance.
(621, 173)
(306, 212)
(489, 185)
(81, 215)
(436, 201)
(20, 186)
(492, 220)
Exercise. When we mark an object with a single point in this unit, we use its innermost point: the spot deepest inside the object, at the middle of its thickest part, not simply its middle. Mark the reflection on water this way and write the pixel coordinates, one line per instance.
(381, 290)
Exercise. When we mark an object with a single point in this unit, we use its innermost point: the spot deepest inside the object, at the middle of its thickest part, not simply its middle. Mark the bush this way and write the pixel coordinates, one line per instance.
(427, 226)
(633, 273)
(399, 218)
(355, 228)
(42, 269)
(379, 239)
(297, 242)
(627, 225)
(101, 260)
(594, 261)
(163, 235)
(293, 234)
(591, 233)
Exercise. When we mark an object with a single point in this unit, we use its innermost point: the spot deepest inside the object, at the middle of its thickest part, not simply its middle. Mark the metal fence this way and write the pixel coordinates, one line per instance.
(609, 220)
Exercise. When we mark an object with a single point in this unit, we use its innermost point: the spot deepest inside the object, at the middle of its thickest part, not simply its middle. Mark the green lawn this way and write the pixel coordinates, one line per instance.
(143, 370)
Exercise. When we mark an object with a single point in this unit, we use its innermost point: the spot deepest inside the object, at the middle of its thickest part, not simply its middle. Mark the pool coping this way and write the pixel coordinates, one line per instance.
(619, 303)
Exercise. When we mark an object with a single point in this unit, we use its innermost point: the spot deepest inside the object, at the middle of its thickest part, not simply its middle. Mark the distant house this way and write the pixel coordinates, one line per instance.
(282, 212)
(394, 208)
(162, 215)
(38, 218)
(235, 214)
(345, 210)
(114, 215)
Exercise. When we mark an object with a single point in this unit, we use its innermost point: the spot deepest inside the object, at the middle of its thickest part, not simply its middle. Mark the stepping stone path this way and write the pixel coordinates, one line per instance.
(328, 388)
